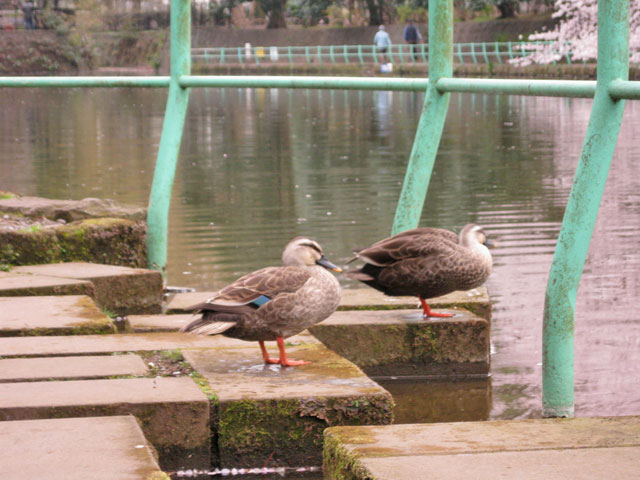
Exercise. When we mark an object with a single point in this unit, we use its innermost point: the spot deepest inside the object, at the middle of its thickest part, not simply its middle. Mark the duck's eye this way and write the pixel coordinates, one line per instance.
(313, 246)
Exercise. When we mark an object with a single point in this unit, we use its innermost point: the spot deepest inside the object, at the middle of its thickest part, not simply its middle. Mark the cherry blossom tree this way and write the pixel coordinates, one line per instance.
(577, 33)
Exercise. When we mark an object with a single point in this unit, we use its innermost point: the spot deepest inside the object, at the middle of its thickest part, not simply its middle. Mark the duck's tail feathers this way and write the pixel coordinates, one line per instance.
(204, 327)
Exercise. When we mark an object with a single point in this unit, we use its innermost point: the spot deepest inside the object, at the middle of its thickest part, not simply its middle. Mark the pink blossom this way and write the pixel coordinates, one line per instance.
(577, 34)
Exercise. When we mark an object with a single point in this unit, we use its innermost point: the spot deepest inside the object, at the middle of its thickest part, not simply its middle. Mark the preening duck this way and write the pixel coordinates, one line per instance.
(275, 302)
(426, 263)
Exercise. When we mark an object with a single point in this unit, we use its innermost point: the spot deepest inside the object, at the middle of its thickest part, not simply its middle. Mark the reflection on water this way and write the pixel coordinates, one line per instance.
(258, 167)
(429, 401)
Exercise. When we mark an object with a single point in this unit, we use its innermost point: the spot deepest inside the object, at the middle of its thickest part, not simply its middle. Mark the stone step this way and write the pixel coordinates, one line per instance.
(476, 301)
(77, 368)
(120, 290)
(173, 412)
(403, 342)
(105, 344)
(584, 448)
(269, 413)
(99, 448)
(52, 315)
(13, 284)
(157, 323)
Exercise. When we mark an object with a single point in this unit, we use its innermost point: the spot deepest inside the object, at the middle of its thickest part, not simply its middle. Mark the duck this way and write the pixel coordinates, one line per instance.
(426, 263)
(273, 303)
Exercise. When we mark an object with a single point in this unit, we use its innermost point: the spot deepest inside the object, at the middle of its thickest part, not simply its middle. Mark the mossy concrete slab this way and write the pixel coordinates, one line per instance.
(114, 241)
(403, 342)
(77, 368)
(476, 301)
(13, 284)
(173, 412)
(158, 323)
(120, 290)
(104, 344)
(512, 448)
(99, 448)
(267, 413)
(52, 315)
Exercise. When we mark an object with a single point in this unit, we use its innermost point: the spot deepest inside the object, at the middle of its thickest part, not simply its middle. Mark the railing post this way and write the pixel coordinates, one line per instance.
(582, 211)
(434, 112)
(175, 112)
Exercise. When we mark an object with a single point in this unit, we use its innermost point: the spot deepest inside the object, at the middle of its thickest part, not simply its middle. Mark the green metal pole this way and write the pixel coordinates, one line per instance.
(582, 210)
(175, 113)
(434, 112)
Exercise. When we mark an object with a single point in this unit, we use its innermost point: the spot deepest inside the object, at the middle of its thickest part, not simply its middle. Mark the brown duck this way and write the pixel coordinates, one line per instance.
(426, 263)
(275, 302)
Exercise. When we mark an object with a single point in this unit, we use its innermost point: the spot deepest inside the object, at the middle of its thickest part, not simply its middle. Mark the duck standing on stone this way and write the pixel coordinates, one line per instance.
(275, 302)
(426, 263)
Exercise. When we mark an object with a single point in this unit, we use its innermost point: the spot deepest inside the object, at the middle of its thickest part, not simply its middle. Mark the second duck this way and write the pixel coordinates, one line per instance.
(426, 263)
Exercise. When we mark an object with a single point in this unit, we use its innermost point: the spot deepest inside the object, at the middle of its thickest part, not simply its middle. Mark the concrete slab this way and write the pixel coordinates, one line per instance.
(476, 301)
(121, 290)
(77, 368)
(173, 412)
(585, 464)
(13, 284)
(402, 342)
(270, 412)
(52, 315)
(158, 323)
(101, 344)
(513, 448)
(100, 448)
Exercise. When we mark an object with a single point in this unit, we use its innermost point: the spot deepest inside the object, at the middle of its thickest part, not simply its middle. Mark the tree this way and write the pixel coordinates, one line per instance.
(507, 8)
(275, 10)
(310, 12)
(379, 11)
(577, 33)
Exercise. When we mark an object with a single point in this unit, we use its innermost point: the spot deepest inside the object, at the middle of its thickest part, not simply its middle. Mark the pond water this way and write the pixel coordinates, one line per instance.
(258, 167)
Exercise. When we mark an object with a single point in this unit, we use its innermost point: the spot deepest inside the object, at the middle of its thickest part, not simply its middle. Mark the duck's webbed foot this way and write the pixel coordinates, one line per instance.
(265, 355)
(284, 361)
(430, 313)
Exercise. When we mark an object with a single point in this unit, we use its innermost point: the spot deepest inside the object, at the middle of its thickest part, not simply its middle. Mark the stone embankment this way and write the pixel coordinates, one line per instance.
(199, 401)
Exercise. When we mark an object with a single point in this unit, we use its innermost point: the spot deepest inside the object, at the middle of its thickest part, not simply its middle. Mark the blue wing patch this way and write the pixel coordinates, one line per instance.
(258, 302)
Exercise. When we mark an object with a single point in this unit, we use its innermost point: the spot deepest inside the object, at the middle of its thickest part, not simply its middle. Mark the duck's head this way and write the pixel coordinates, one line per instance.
(305, 252)
(473, 234)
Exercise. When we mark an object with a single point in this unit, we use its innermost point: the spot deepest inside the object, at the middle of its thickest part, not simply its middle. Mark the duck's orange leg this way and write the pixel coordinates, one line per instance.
(430, 313)
(284, 361)
(265, 355)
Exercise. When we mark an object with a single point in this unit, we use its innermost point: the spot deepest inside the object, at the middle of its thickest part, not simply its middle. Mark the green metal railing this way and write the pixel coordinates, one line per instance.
(464, 53)
(609, 91)
(475, 53)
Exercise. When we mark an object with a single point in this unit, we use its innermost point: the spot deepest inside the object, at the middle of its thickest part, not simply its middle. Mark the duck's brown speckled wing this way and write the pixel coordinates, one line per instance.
(270, 282)
(419, 242)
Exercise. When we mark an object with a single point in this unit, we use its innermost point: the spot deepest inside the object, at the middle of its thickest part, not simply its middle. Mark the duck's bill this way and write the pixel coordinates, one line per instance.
(491, 244)
(327, 264)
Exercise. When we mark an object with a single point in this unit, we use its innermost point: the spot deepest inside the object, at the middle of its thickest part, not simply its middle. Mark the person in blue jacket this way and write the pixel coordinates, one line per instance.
(382, 42)
(412, 36)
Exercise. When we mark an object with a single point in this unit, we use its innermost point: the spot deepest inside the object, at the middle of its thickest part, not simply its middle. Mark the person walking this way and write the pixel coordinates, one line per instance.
(28, 10)
(412, 36)
(382, 43)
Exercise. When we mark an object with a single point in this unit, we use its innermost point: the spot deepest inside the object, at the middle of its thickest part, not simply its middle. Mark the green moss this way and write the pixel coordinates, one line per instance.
(103, 240)
(291, 430)
(339, 463)
(425, 343)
